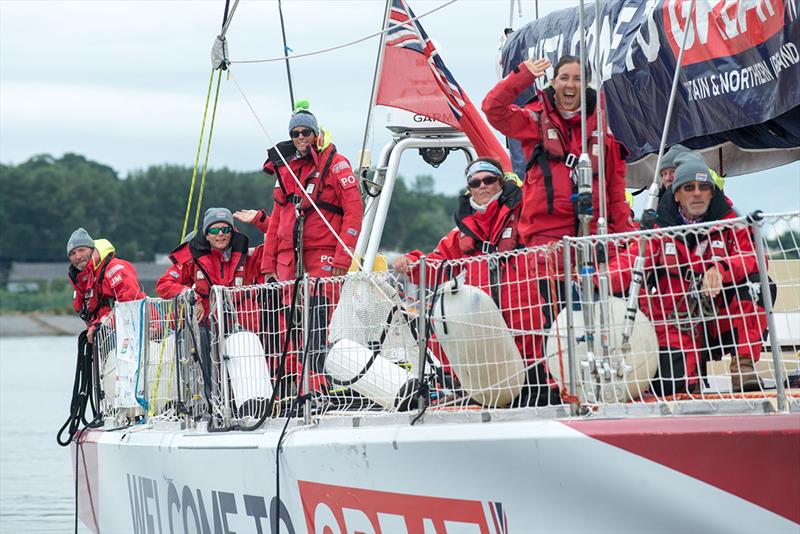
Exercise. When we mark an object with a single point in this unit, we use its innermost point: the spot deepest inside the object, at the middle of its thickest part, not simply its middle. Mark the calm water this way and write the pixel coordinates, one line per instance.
(36, 478)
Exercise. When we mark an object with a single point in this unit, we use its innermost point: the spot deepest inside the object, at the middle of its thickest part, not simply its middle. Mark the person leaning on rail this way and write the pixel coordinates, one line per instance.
(549, 128)
(99, 278)
(308, 168)
(219, 255)
(487, 220)
(703, 285)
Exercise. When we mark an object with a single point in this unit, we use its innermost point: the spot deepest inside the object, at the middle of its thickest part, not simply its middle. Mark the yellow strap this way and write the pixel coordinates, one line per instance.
(197, 158)
(208, 152)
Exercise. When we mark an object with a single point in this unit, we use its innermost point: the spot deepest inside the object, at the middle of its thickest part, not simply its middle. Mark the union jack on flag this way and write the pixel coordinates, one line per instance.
(406, 32)
(415, 78)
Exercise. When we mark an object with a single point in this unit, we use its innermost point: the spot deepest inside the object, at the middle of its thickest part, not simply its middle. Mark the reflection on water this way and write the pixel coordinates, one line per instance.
(36, 479)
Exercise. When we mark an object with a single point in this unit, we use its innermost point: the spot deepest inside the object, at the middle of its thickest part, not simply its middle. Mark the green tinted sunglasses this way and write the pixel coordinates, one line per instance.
(223, 229)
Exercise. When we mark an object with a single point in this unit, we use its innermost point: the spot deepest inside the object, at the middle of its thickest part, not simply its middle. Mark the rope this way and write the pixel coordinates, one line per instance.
(345, 45)
(208, 152)
(197, 158)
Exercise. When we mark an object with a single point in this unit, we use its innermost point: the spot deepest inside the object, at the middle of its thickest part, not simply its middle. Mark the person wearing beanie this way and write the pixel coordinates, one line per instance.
(216, 255)
(317, 191)
(666, 169)
(487, 221)
(698, 305)
(99, 279)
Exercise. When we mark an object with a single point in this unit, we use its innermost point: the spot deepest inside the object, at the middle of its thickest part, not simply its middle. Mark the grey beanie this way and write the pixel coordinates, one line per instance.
(303, 118)
(668, 159)
(79, 238)
(215, 215)
(690, 167)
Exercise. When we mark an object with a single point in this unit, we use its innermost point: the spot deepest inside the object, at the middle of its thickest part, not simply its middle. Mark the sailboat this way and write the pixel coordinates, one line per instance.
(193, 437)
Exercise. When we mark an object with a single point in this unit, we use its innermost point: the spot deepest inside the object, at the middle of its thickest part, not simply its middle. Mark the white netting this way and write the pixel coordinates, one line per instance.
(500, 331)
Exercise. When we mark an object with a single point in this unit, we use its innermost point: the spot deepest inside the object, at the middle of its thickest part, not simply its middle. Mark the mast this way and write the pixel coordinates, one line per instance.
(375, 77)
(286, 57)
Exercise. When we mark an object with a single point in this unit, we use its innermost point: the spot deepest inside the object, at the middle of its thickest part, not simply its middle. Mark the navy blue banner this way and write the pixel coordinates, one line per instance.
(740, 81)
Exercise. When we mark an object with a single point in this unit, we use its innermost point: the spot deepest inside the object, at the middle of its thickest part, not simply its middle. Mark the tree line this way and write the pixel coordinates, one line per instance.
(142, 214)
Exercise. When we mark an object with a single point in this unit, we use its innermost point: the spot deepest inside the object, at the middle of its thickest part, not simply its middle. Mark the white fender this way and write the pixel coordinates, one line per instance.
(384, 382)
(476, 340)
(361, 314)
(247, 367)
(639, 366)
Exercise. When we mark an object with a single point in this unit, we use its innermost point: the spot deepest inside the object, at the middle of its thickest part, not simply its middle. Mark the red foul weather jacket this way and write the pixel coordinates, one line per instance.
(512, 285)
(329, 180)
(98, 286)
(675, 265)
(195, 265)
(551, 144)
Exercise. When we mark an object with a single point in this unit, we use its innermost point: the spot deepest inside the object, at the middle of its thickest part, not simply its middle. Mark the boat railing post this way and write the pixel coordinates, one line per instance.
(97, 389)
(222, 351)
(756, 219)
(422, 335)
(306, 347)
(572, 364)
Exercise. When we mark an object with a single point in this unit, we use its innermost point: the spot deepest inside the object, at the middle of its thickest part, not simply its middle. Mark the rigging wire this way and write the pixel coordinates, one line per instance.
(345, 45)
(286, 51)
(374, 93)
(208, 152)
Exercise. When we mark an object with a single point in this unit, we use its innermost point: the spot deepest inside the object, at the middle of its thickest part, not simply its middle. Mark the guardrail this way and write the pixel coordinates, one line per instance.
(676, 317)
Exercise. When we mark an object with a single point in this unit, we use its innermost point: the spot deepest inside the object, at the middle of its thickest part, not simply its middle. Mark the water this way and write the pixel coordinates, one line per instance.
(36, 475)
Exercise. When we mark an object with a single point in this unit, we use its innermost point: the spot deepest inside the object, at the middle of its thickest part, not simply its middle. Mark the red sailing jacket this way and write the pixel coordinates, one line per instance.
(515, 290)
(549, 213)
(97, 287)
(197, 266)
(329, 180)
(679, 262)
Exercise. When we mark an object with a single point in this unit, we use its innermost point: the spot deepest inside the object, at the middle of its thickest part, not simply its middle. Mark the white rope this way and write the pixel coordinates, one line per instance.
(345, 45)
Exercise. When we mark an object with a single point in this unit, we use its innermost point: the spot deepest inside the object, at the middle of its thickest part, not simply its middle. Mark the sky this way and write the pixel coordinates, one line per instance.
(124, 82)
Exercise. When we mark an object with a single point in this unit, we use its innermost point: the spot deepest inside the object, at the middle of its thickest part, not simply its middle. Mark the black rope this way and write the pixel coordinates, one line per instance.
(225, 14)
(292, 410)
(81, 393)
(286, 57)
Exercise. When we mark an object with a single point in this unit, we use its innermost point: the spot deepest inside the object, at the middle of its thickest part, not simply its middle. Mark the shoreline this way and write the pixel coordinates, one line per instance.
(40, 324)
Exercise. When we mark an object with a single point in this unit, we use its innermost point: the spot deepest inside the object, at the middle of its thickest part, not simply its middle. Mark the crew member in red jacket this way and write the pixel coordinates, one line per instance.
(706, 292)
(549, 128)
(99, 278)
(216, 256)
(307, 168)
(487, 220)
(324, 176)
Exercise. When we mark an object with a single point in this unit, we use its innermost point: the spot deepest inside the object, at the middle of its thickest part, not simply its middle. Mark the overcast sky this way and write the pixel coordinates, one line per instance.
(124, 83)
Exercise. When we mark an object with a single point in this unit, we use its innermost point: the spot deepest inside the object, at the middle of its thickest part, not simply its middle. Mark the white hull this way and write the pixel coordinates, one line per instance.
(517, 475)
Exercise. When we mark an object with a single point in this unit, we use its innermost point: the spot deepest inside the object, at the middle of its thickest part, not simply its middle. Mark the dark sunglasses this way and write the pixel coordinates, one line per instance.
(489, 180)
(305, 133)
(224, 229)
(688, 188)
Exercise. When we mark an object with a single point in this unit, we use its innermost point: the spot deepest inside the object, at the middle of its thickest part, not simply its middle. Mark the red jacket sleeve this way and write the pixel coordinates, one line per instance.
(121, 282)
(268, 260)
(619, 211)
(174, 281)
(350, 199)
(447, 249)
(741, 256)
(262, 221)
(501, 112)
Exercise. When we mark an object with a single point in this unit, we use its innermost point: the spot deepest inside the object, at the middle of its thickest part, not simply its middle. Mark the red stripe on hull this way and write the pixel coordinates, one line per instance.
(756, 458)
(88, 485)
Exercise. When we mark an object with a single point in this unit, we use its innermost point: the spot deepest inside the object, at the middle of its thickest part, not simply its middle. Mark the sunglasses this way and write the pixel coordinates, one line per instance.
(224, 229)
(306, 132)
(489, 180)
(690, 187)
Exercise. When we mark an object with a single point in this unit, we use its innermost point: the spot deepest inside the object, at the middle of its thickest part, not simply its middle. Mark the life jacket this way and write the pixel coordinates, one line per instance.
(208, 269)
(287, 184)
(502, 235)
(556, 144)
